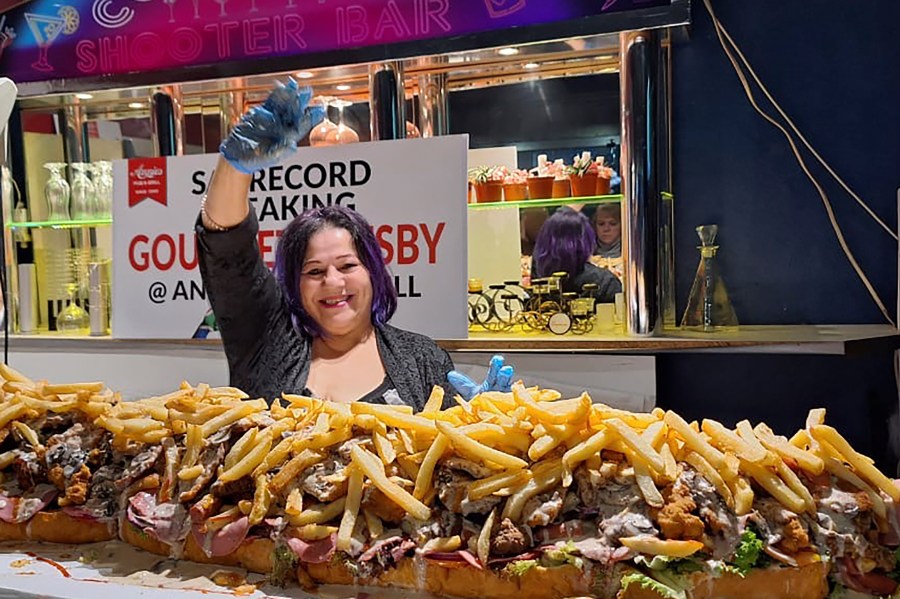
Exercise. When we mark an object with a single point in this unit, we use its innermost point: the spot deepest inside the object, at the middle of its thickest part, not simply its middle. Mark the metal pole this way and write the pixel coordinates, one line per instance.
(387, 101)
(434, 105)
(231, 107)
(167, 121)
(639, 54)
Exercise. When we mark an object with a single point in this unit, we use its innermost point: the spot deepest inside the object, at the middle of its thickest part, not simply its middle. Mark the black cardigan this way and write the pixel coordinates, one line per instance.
(266, 353)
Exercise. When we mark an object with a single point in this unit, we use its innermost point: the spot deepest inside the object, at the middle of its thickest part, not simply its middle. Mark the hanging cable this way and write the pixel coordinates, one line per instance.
(722, 35)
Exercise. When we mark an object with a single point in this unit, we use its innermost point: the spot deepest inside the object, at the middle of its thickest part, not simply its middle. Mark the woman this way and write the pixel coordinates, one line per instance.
(319, 325)
(608, 226)
(565, 244)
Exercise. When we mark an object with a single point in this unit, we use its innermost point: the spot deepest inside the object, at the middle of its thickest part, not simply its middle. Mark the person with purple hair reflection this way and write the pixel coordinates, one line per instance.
(565, 244)
(317, 325)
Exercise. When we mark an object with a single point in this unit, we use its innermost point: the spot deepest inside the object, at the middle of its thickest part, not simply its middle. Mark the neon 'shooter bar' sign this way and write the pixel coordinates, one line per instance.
(45, 40)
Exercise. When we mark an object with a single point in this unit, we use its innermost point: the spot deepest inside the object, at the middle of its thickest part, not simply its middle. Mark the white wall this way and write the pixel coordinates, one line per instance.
(141, 369)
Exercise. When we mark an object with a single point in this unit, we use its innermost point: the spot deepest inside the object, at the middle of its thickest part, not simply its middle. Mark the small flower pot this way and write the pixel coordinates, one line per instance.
(562, 188)
(602, 186)
(514, 192)
(585, 185)
(489, 191)
(540, 188)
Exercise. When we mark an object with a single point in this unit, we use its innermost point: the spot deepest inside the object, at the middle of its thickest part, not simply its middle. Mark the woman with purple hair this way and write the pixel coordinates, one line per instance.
(318, 325)
(565, 244)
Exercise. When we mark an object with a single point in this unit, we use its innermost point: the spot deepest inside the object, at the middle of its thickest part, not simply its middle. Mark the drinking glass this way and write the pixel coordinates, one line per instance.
(319, 136)
(83, 193)
(73, 320)
(56, 192)
(341, 134)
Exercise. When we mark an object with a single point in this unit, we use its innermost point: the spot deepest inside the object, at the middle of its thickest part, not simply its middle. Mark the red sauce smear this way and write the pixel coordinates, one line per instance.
(59, 567)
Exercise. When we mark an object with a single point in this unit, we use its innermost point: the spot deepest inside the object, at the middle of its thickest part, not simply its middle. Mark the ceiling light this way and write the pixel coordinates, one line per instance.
(342, 87)
(84, 96)
(605, 56)
(135, 105)
(305, 75)
(531, 65)
(508, 51)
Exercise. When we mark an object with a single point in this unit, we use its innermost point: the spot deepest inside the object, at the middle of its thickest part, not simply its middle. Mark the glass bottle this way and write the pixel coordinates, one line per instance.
(709, 307)
(73, 320)
(56, 192)
(320, 133)
(83, 193)
(341, 134)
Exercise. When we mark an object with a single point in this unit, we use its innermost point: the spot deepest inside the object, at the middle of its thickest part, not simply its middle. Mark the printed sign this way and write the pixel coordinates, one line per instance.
(67, 39)
(147, 180)
(412, 192)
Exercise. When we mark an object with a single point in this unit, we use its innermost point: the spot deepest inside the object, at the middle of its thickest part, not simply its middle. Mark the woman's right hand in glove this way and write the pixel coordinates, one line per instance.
(267, 133)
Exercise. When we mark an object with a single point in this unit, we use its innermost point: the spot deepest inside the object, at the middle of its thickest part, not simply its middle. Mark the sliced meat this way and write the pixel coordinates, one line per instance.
(313, 552)
(599, 551)
(542, 509)
(607, 491)
(510, 539)
(468, 466)
(29, 470)
(387, 553)
(222, 541)
(211, 458)
(343, 450)
(140, 465)
(452, 488)
(326, 481)
(625, 524)
(23, 506)
(241, 488)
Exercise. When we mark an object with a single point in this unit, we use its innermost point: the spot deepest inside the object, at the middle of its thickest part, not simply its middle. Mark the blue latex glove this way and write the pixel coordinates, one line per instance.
(499, 378)
(269, 132)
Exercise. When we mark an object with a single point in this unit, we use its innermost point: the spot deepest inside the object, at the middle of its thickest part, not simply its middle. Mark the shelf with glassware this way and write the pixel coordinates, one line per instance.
(61, 286)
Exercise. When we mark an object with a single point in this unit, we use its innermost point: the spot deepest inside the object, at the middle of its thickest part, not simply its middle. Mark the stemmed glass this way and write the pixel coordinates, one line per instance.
(342, 134)
(101, 173)
(319, 136)
(171, 5)
(83, 193)
(45, 29)
(73, 319)
(56, 192)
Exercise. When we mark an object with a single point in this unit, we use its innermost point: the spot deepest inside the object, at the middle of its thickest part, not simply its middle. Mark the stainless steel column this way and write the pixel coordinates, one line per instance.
(231, 107)
(167, 121)
(434, 105)
(639, 55)
(387, 101)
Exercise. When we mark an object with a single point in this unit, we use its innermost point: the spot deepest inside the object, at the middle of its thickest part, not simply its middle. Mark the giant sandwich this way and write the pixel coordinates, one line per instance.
(521, 494)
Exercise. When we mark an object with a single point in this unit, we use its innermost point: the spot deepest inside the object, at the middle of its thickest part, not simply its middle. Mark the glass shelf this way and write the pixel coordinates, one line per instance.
(60, 224)
(548, 202)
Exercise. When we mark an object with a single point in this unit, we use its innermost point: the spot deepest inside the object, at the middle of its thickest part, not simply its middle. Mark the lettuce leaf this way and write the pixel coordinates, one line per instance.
(664, 590)
(747, 554)
(520, 567)
(562, 555)
(284, 563)
(674, 565)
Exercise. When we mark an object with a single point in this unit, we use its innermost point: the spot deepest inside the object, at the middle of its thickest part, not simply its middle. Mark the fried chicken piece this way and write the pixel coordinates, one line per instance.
(57, 477)
(675, 518)
(794, 535)
(78, 487)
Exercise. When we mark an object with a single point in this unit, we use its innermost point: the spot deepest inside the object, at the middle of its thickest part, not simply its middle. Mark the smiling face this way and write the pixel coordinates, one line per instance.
(335, 287)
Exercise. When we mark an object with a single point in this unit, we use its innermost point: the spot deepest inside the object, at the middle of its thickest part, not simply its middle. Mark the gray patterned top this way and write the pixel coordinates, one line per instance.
(266, 354)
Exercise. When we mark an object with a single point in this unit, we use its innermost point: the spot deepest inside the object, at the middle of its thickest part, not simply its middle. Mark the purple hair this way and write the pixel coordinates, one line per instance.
(565, 243)
(292, 251)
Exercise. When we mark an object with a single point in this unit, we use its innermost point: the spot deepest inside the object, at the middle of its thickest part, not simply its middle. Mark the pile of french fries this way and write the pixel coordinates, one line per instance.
(531, 440)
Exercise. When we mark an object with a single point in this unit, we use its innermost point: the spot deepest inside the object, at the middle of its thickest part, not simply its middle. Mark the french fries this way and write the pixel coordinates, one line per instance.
(351, 507)
(654, 546)
(861, 464)
(374, 471)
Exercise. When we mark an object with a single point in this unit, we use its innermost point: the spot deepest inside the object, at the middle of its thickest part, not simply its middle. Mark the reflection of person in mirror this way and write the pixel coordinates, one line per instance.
(565, 244)
(608, 226)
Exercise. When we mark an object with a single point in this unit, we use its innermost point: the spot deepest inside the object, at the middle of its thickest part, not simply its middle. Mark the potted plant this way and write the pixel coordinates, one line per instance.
(487, 182)
(583, 175)
(604, 176)
(540, 180)
(515, 186)
(561, 186)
